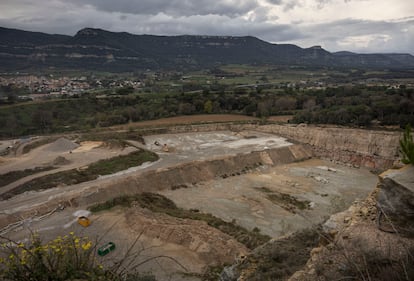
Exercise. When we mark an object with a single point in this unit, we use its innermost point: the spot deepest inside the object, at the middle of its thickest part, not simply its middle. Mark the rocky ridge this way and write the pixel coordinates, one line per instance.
(97, 49)
(356, 244)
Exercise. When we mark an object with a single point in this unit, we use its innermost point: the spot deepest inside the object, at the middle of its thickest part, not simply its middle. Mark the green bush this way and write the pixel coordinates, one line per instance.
(407, 146)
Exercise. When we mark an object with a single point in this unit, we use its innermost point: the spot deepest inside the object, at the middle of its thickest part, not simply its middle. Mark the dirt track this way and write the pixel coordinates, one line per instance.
(188, 119)
(73, 155)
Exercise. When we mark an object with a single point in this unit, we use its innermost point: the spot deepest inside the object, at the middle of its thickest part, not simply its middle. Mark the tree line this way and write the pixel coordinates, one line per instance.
(357, 105)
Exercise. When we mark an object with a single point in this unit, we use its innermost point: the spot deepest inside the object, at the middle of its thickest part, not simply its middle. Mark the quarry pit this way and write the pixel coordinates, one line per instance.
(237, 175)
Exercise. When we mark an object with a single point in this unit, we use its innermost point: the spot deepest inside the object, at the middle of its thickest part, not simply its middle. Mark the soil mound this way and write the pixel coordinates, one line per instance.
(209, 244)
(61, 161)
(61, 145)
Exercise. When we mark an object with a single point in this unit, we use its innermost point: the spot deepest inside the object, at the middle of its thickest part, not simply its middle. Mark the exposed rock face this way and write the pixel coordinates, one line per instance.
(353, 246)
(274, 260)
(396, 198)
(374, 149)
(367, 148)
(194, 172)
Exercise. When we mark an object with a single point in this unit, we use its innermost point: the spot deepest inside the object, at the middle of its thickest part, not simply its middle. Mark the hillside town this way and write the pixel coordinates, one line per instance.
(32, 87)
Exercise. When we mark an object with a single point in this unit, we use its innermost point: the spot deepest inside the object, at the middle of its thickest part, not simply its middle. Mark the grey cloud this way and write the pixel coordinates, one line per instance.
(175, 8)
(289, 5)
(381, 36)
(65, 17)
(275, 2)
(321, 3)
(260, 14)
(286, 4)
(218, 25)
(71, 18)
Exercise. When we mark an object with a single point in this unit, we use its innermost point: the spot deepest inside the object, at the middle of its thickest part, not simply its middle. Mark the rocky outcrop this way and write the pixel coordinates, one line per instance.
(351, 246)
(396, 199)
(354, 247)
(275, 260)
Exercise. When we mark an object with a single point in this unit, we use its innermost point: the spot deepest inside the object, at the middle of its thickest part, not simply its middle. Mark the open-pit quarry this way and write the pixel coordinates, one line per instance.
(270, 180)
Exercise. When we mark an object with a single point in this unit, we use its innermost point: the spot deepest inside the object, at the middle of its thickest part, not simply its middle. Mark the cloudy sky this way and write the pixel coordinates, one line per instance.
(353, 25)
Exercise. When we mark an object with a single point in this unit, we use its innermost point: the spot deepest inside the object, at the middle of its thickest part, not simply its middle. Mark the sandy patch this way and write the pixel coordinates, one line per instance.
(2, 160)
(281, 119)
(88, 145)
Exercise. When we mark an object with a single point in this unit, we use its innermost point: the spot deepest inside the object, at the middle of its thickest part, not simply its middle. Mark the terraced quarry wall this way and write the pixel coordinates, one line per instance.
(373, 149)
(187, 174)
(178, 176)
(367, 148)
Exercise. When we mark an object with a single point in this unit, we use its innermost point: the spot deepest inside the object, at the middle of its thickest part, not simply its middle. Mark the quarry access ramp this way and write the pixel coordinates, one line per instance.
(32, 205)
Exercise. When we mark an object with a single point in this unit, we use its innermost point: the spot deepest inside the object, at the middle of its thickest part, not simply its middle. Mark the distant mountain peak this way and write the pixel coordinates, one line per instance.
(316, 47)
(88, 32)
(98, 49)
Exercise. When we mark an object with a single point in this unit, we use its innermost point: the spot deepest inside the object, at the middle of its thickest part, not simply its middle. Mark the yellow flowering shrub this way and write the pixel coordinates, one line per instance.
(63, 258)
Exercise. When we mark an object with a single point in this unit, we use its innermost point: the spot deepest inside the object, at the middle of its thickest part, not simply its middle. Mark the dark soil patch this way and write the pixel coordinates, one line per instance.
(286, 201)
(61, 161)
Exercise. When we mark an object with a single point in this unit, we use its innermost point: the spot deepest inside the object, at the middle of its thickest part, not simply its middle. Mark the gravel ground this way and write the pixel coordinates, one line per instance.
(327, 187)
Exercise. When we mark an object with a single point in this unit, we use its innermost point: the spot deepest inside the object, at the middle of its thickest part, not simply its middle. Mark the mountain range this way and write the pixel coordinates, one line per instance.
(101, 50)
